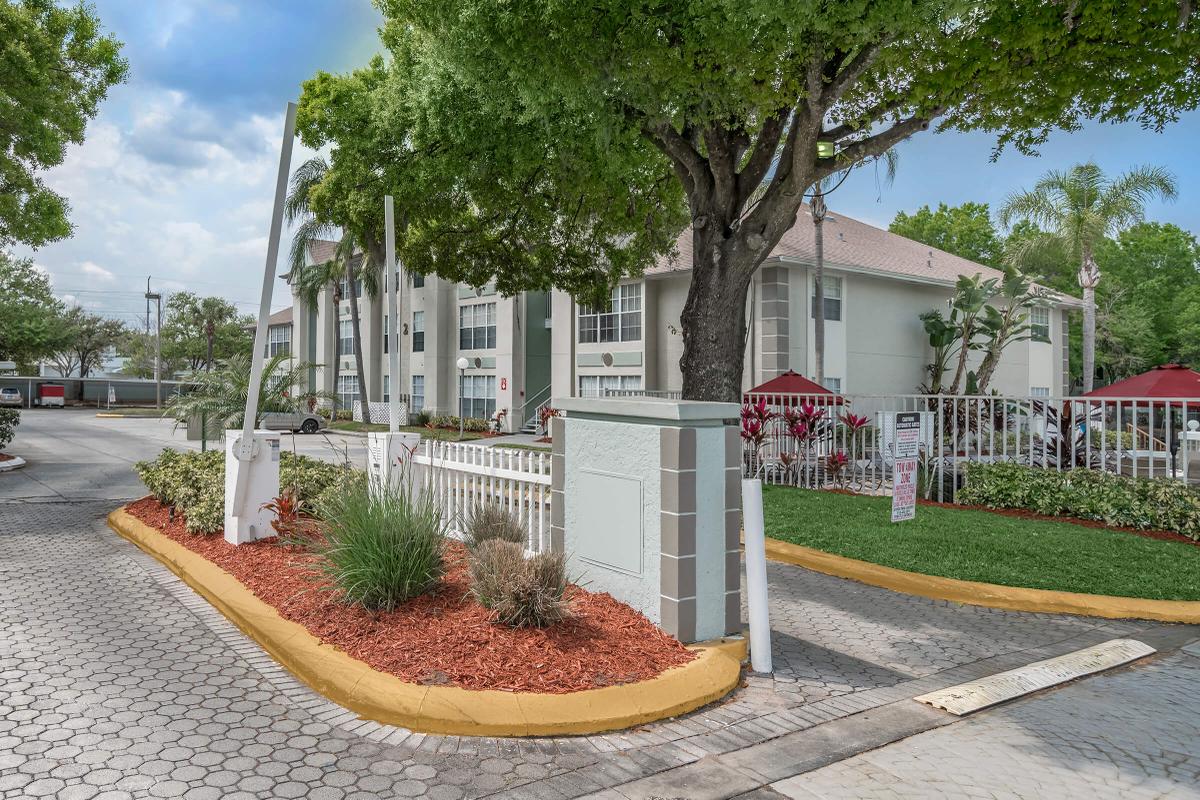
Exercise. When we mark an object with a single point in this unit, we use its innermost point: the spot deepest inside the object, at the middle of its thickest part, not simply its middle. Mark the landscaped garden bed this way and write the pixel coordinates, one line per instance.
(442, 637)
(986, 547)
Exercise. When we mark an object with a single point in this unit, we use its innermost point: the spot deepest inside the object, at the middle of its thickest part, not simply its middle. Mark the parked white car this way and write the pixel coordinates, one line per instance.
(11, 397)
(301, 422)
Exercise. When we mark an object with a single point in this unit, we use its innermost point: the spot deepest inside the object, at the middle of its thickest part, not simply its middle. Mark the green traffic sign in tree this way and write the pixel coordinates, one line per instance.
(743, 105)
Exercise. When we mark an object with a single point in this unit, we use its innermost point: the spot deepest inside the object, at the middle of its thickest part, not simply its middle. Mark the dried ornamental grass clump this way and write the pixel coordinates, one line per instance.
(486, 522)
(523, 592)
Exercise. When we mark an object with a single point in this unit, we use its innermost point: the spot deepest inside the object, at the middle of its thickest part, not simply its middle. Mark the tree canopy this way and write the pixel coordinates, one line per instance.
(965, 231)
(728, 97)
(83, 339)
(29, 312)
(56, 66)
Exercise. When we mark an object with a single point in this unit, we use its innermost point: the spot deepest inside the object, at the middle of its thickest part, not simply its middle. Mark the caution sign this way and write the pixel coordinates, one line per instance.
(907, 442)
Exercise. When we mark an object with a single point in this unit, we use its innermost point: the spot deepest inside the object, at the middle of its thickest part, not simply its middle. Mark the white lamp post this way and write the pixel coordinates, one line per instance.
(462, 363)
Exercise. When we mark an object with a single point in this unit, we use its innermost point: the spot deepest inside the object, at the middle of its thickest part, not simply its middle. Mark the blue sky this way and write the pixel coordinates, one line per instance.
(175, 179)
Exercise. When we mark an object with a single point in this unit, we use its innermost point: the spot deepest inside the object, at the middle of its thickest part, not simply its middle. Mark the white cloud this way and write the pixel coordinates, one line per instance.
(94, 270)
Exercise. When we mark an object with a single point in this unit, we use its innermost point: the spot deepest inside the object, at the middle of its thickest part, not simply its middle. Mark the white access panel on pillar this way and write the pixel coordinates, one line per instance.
(261, 475)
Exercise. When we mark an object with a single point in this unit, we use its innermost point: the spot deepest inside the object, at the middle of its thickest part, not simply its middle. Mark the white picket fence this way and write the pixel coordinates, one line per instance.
(462, 476)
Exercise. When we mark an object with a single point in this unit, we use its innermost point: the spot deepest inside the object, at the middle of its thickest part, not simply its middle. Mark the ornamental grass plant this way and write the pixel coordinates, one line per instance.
(486, 522)
(524, 592)
(384, 545)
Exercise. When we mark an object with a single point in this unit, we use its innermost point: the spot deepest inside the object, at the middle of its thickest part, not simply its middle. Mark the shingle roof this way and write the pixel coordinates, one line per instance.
(321, 250)
(281, 317)
(854, 245)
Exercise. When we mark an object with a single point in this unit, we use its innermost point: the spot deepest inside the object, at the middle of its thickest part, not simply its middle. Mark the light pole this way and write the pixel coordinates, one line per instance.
(462, 363)
(157, 298)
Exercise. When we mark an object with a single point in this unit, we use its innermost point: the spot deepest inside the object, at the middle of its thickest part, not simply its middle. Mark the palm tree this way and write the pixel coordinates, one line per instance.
(220, 393)
(311, 279)
(1079, 208)
(820, 212)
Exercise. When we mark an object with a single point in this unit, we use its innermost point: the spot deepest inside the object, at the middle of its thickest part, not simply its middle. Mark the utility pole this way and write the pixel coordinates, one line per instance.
(157, 298)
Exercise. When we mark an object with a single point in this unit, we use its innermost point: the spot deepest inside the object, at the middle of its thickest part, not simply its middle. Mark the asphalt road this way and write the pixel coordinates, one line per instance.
(74, 455)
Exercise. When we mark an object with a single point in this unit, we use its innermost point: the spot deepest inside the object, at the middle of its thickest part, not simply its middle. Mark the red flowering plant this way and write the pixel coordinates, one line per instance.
(755, 417)
(854, 424)
(289, 522)
(835, 466)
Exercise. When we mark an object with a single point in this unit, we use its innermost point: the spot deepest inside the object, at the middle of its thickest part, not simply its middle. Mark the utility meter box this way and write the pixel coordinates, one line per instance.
(389, 455)
(261, 474)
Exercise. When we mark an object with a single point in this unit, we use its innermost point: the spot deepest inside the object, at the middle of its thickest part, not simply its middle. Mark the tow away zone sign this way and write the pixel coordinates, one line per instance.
(907, 441)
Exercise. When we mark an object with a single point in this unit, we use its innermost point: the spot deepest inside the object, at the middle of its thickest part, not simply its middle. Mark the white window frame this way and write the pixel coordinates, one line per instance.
(477, 396)
(596, 385)
(831, 287)
(279, 340)
(418, 331)
(620, 320)
(1039, 323)
(345, 337)
(418, 393)
(347, 389)
(477, 326)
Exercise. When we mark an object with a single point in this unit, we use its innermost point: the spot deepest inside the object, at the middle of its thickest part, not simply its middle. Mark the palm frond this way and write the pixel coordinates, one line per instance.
(306, 176)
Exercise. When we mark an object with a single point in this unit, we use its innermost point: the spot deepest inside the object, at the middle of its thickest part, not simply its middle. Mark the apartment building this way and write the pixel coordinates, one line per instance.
(526, 349)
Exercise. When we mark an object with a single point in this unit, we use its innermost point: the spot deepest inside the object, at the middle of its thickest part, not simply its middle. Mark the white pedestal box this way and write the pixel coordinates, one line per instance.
(251, 521)
(389, 454)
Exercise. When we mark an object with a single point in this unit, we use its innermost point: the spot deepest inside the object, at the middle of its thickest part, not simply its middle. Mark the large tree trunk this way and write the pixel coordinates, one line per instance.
(358, 358)
(818, 214)
(714, 316)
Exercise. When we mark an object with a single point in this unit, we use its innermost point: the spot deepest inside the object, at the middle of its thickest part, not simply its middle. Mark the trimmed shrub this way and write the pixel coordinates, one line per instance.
(420, 418)
(523, 592)
(486, 522)
(10, 418)
(471, 424)
(1141, 503)
(193, 484)
(382, 547)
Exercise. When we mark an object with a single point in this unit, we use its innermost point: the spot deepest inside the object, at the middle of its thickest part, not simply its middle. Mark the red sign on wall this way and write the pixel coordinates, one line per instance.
(503, 384)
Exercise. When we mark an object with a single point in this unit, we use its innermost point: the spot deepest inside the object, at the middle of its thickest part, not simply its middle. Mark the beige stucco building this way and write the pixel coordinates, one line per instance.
(523, 350)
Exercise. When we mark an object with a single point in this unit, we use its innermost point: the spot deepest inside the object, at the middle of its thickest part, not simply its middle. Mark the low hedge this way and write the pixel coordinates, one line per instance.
(193, 484)
(1159, 504)
(10, 418)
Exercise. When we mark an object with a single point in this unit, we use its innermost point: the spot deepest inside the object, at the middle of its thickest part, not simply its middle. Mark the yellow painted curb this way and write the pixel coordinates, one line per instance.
(991, 595)
(441, 709)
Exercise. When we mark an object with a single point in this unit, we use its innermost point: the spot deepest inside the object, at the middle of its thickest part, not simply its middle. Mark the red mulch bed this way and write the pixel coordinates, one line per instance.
(1020, 513)
(6, 457)
(443, 637)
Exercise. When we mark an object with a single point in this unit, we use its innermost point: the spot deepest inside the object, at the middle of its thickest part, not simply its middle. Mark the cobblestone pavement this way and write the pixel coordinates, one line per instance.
(1128, 734)
(117, 681)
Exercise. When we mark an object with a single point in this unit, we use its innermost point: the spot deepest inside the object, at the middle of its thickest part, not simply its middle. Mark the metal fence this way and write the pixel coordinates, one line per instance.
(464, 476)
(836, 441)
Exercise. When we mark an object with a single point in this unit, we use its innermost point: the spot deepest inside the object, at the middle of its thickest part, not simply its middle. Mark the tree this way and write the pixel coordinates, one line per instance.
(965, 231)
(220, 394)
(198, 330)
(1006, 323)
(55, 68)
(28, 313)
(347, 264)
(1081, 207)
(719, 93)
(84, 339)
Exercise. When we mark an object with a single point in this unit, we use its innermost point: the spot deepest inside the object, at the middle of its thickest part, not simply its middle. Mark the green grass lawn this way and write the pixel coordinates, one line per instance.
(437, 433)
(536, 448)
(980, 546)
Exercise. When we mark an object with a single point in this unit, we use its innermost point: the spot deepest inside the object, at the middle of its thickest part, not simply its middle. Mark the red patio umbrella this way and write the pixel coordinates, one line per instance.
(1167, 381)
(795, 384)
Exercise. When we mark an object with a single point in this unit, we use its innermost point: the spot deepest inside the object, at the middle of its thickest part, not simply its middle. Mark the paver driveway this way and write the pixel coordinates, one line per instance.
(117, 681)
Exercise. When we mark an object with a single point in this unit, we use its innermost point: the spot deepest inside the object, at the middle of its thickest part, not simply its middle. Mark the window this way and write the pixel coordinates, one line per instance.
(387, 388)
(477, 396)
(344, 288)
(418, 393)
(418, 332)
(1039, 391)
(346, 337)
(477, 326)
(1039, 323)
(832, 289)
(597, 385)
(418, 280)
(620, 320)
(832, 384)
(386, 338)
(279, 340)
(347, 390)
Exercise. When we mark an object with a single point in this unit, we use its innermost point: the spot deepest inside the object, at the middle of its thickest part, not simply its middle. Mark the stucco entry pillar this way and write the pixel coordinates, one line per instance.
(646, 503)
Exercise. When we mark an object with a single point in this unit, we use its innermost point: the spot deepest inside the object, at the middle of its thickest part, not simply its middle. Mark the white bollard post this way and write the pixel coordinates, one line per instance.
(756, 575)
